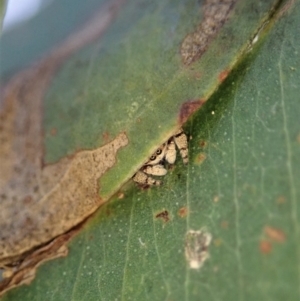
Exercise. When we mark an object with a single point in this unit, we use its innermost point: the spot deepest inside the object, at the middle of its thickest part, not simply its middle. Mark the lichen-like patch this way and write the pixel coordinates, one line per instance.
(196, 247)
(215, 14)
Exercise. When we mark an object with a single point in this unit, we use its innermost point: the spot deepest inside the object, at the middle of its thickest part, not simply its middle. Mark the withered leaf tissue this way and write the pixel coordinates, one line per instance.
(41, 205)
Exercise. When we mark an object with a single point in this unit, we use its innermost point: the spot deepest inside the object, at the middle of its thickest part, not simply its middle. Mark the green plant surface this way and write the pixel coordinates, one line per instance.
(241, 185)
(133, 80)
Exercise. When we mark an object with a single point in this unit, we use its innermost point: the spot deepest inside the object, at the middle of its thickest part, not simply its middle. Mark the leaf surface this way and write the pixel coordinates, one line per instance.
(241, 186)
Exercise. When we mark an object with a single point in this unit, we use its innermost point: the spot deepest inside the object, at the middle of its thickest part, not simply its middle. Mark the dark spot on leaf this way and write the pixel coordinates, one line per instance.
(188, 108)
(203, 143)
(164, 215)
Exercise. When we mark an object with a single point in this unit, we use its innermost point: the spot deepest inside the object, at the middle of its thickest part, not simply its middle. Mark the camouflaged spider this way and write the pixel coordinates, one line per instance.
(155, 166)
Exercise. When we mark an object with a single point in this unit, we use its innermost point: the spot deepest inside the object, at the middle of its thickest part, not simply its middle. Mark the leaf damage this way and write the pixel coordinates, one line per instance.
(271, 236)
(188, 108)
(196, 247)
(164, 215)
(24, 272)
(215, 14)
(40, 204)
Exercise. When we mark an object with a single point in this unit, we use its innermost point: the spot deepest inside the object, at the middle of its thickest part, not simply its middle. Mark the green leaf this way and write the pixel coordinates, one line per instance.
(133, 80)
(241, 186)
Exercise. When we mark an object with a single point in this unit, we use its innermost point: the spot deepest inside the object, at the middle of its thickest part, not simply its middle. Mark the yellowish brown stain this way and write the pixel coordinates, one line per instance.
(121, 195)
(281, 200)
(203, 143)
(275, 234)
(183, 212)
(271, 236)
(200, 158)
(216, 199)
(265, 247)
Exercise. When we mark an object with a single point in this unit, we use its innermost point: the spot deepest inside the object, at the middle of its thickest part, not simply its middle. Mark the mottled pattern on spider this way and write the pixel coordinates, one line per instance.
(156, 165)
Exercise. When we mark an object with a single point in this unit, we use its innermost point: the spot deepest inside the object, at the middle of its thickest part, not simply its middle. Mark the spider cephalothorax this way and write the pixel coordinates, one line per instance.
(166, 154)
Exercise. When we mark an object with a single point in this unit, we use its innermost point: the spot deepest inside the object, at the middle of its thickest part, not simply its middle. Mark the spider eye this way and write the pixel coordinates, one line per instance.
(152, 157)
(158, 152)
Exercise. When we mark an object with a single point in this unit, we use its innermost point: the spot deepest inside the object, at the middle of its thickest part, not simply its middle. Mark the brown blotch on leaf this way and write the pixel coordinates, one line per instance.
(215, 14)
(274, 234)
(121, 195)
(223, 75)
(265, 247)
(200, 158)
(203, 143)
(164, 215)
(183, 212)
(188, 108)
(281, 200)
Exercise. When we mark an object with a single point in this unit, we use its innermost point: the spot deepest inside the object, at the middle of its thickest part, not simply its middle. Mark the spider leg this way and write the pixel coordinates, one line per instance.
(145, 180)
(155, 170)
